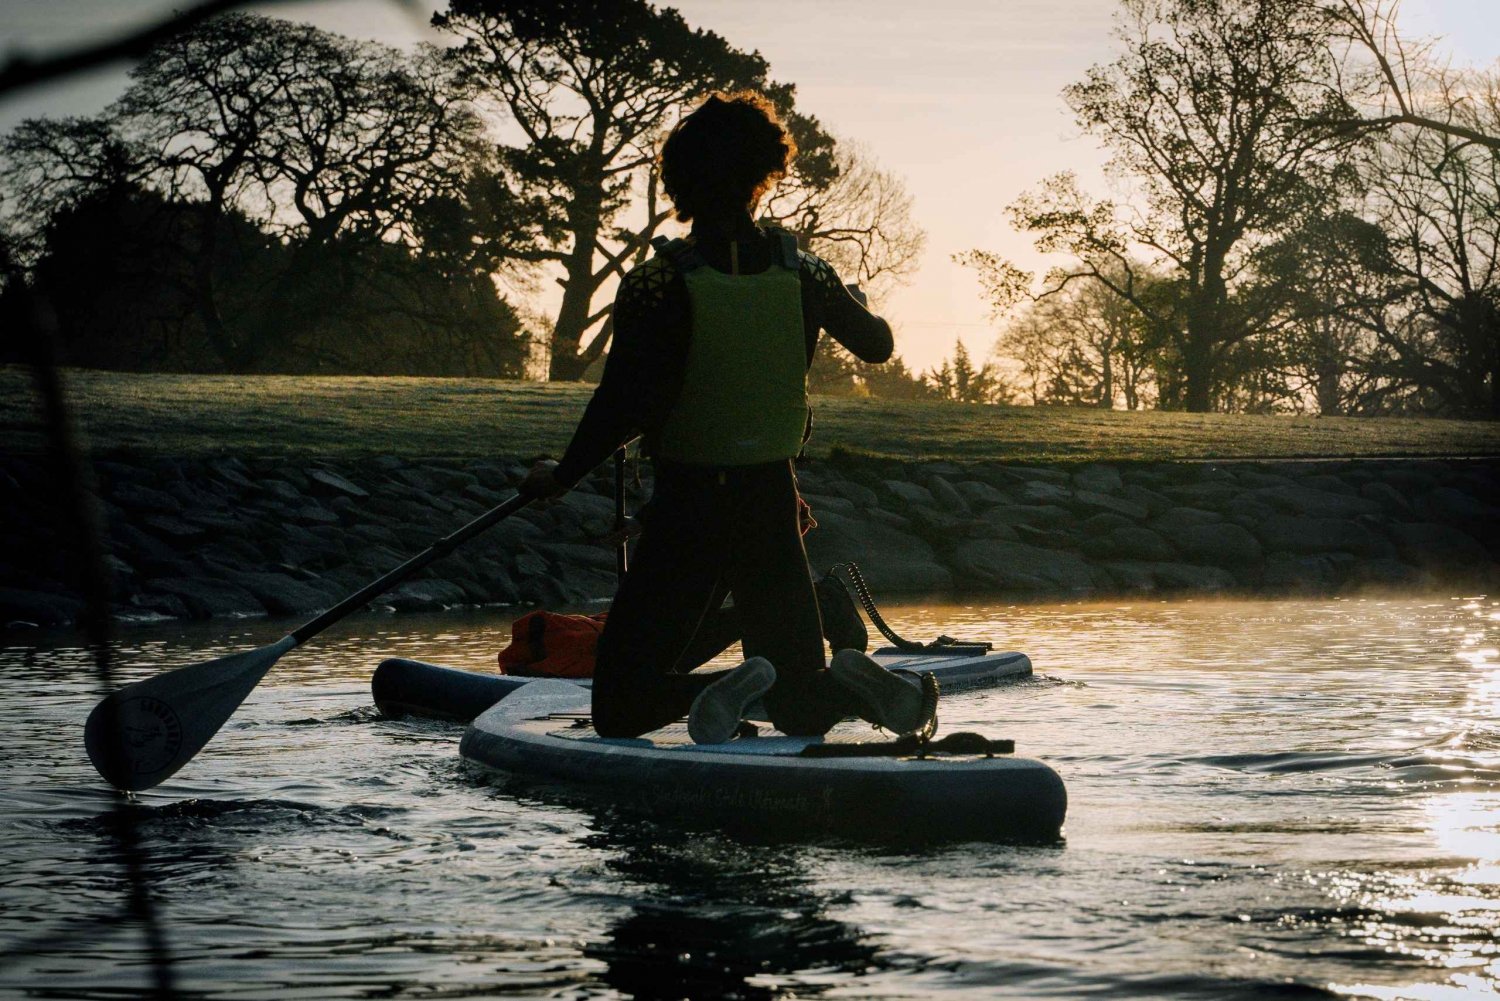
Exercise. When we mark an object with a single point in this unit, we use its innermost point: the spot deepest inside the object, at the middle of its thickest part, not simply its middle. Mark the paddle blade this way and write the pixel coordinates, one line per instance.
(140, 735)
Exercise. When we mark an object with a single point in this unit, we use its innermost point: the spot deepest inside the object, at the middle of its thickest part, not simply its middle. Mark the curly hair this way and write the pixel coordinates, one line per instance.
(724, 155)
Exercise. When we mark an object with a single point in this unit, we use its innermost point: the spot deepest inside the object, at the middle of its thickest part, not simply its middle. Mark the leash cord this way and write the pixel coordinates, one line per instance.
(867, 600)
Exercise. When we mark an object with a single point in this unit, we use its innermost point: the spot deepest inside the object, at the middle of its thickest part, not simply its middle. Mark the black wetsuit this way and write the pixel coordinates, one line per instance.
(709, 530)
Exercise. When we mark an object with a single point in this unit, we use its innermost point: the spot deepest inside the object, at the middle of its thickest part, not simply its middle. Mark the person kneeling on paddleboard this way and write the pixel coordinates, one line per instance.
(712, 340)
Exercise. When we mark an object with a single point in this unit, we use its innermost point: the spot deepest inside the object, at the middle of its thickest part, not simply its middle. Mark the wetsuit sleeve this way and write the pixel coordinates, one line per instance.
(644, 372)
(835, 310)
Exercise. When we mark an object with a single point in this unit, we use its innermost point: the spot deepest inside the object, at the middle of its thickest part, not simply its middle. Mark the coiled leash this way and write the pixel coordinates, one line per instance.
(943, 644)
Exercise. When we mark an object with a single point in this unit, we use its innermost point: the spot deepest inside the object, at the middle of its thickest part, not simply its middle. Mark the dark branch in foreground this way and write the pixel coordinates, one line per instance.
(26, 71)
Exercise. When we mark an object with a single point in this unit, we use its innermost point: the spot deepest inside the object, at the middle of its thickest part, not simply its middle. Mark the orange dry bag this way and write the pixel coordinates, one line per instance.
(552, 645)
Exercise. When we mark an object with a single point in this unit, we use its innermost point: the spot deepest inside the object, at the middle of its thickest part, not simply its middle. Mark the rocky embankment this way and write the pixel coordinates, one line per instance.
(230, 537)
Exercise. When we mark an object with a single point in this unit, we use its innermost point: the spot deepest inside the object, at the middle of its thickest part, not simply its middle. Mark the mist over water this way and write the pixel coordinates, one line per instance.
(1267, 798)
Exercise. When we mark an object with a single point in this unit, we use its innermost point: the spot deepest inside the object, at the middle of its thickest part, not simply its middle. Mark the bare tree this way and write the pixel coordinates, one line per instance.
(860, 221)
(1215, 115)
(50, 164)
(1399, 82)
(1437, 195)
(1084, 346)
(1337, 281)
(1114, 340)
(857, 217)
(1435, 185)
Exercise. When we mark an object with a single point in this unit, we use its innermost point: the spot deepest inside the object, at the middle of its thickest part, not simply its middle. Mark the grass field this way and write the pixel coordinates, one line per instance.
(188, 415)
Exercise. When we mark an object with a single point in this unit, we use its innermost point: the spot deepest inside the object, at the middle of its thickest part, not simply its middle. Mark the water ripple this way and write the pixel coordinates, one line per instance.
(1267, 799)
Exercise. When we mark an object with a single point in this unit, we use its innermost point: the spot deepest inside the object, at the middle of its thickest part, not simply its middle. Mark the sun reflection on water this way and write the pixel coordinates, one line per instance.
(1267, 798)
(1450, 920)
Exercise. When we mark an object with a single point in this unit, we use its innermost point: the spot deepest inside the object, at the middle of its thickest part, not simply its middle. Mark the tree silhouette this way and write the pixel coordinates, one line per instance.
(119, 268)
(1400, 84)
(1084, 346)
(48, 165)
(957, 379)
(316, 137)
(590, 89)
(837, 372)
(1215, 114)
(1437, 196)
(343, 155)
(1337, 278)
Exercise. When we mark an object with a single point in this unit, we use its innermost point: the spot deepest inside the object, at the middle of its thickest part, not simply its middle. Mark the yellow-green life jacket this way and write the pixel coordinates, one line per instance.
(744, 394)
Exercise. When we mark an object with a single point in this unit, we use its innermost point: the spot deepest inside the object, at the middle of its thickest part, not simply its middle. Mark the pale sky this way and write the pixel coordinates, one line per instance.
(960, 98)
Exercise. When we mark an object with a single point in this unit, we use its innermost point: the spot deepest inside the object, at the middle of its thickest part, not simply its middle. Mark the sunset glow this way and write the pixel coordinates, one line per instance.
(960, 98)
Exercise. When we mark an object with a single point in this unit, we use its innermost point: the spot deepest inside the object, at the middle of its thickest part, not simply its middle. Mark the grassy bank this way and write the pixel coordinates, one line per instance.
(186, 415)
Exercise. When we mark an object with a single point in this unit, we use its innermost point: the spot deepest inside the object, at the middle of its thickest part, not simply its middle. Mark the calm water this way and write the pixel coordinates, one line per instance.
(1283, 799)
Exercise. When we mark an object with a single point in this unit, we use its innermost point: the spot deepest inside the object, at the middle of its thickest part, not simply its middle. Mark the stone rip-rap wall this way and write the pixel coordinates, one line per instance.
(230, 537)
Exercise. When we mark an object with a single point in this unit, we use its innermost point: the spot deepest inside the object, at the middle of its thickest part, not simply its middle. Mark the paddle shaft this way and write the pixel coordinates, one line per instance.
(621, 559)
(436, 551)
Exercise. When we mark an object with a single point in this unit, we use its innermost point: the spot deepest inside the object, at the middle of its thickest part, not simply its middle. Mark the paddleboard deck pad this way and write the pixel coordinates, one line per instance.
(414, 688)
(764, 784)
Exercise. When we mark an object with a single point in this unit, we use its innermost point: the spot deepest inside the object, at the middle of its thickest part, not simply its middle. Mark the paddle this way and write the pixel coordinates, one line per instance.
(621, 557)
(141, 734)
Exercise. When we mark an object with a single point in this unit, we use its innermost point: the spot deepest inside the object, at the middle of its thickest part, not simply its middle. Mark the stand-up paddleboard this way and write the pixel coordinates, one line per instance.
(414, 688)
(766, 785)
